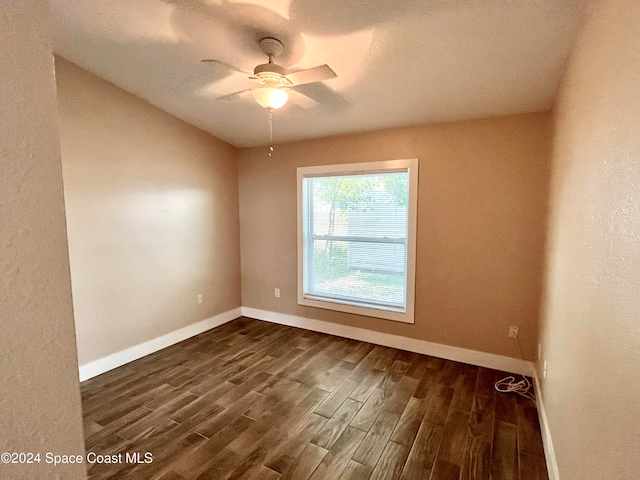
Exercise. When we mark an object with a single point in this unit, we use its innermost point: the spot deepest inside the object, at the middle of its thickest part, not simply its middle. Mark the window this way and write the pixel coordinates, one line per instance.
(356, 238)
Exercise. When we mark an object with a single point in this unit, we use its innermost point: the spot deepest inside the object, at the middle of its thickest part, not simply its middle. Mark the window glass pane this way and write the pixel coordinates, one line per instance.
(366, 205)
(354, 271)
(355, 238)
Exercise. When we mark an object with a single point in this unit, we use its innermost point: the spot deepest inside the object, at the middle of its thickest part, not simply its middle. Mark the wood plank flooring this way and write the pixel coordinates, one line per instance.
(259, 401)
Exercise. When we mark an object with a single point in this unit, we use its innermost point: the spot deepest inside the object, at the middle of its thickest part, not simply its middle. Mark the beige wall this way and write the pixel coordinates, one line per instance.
(39, 394)
(152, 212)
(481, 222)
(591, 326)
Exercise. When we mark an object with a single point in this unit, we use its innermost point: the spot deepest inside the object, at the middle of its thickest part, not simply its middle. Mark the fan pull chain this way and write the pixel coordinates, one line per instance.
(270, 130)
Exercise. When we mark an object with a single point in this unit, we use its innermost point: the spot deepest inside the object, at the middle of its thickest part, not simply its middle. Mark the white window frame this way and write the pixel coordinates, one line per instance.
(388, 166)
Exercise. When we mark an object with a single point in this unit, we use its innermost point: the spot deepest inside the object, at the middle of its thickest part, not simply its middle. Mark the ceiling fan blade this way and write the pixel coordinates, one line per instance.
(232, 96)
(226, 65)
(311, 75)
(301, 100)
(329, 99)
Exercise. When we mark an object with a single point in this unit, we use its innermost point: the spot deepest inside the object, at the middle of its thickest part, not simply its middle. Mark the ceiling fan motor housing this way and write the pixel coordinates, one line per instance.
(272, 74)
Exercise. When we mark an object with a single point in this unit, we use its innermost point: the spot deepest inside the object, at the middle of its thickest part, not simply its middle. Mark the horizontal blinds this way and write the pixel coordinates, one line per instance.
(356, 239)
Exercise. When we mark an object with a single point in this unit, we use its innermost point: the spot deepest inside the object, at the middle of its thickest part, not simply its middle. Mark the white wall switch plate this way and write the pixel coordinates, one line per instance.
(277, 292)
(200, 298)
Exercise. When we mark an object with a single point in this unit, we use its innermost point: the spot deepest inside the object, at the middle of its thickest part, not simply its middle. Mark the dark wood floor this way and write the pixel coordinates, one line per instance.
(254, 400)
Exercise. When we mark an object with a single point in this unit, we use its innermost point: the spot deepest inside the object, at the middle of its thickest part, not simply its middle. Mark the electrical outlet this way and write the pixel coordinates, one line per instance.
(544, 370)
(277, 292)
(513, 331)
(200, 298)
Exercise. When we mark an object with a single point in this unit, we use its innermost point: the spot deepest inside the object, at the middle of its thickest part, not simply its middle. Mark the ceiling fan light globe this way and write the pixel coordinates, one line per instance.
(270, 97)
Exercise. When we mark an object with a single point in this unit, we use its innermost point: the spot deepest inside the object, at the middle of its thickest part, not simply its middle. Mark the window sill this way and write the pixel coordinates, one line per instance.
(347, 307)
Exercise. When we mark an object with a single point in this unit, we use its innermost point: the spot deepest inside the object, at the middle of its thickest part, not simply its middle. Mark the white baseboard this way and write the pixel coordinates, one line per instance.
(473, 357)
(96, 367)
(549, 453)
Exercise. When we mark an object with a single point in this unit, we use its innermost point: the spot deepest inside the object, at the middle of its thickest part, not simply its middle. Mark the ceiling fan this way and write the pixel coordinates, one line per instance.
(275, 84)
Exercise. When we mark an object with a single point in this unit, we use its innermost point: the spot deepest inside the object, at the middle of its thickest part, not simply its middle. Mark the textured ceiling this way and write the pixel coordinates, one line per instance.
(399, 62)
